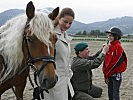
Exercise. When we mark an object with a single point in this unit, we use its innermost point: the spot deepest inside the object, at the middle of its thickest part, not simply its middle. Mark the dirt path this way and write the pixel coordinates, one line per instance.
(126, 91)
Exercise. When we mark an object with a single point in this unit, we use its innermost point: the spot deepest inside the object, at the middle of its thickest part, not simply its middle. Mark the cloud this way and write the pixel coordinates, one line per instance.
(86, 11)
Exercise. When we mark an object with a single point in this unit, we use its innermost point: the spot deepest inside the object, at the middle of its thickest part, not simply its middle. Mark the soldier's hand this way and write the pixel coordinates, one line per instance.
(106, 81)
(105, 49)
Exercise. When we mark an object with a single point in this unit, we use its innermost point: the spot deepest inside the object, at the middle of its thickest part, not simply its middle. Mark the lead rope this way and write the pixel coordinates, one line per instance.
(16, 94)
(37, 91)
(29, 56)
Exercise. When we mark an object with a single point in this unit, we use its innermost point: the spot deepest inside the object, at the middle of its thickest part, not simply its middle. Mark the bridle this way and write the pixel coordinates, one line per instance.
(31, 63)
(31, 60)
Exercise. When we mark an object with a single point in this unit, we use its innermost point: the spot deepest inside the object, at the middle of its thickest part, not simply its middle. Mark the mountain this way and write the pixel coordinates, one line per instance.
(124, 23)
(6, 15)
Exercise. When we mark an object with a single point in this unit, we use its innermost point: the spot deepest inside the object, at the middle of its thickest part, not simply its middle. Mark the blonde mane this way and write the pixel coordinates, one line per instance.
(11, 37)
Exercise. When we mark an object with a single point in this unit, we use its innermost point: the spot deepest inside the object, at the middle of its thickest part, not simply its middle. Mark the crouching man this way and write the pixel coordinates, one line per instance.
(82, 66)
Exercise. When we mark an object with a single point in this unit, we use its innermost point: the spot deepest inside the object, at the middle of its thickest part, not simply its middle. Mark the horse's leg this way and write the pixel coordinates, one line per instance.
(20, 83)
(4, 86)
(0, 97)
(19, 88)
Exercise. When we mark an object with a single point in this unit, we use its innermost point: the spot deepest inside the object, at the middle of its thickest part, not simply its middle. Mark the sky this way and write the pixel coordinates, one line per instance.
(86, 11)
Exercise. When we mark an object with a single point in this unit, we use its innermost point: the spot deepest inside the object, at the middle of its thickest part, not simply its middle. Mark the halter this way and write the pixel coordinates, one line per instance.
(31, 60)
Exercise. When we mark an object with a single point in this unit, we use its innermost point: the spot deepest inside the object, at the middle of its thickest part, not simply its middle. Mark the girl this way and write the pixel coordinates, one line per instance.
(63, 87)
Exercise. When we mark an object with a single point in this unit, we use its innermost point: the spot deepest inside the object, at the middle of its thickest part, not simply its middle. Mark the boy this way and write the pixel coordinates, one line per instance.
(115, 63)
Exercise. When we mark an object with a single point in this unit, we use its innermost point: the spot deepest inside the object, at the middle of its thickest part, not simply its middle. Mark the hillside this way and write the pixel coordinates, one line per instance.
(124, 23)
(6, 15)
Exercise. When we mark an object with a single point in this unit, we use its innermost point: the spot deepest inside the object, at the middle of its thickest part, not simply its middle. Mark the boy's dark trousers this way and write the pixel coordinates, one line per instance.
(113, 88)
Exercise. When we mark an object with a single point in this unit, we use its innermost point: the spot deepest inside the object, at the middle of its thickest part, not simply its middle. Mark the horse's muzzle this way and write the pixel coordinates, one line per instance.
(48, 83)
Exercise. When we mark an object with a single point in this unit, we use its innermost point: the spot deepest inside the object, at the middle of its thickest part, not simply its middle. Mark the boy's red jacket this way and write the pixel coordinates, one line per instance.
(115, 60)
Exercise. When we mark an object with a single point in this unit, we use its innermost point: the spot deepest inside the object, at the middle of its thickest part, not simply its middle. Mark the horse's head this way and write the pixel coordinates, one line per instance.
(38, 45)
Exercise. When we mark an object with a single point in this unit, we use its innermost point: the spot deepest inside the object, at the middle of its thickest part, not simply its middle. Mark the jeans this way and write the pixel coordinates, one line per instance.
(113, 88)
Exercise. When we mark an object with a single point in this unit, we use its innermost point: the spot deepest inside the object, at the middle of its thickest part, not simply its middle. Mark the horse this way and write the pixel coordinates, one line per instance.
(26, 41)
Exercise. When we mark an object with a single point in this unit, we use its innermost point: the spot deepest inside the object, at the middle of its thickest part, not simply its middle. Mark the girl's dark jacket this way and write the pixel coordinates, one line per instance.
(115, 60)
(82, 74)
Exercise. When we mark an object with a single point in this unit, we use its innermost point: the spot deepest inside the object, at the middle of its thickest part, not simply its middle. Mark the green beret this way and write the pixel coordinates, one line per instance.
(80, 46)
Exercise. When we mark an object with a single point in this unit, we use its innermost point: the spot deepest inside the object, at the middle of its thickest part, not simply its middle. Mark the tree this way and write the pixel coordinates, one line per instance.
(95, 33)
(79, 33)
(84, 32)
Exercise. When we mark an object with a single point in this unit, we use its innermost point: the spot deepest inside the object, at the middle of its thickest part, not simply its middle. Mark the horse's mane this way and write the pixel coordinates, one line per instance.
(11, 37)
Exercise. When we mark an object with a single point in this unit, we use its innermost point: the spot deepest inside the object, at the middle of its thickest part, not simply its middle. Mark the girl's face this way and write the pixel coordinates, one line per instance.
(111, 37)
(65, 22)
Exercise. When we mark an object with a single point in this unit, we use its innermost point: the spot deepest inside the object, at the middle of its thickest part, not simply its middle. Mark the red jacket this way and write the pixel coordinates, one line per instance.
(115, 60)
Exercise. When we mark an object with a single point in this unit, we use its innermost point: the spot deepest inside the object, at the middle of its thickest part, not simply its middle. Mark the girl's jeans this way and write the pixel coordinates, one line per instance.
(113, 88)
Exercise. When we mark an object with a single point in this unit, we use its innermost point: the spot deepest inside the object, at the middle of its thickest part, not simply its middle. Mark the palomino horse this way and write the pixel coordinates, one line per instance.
(27, 41)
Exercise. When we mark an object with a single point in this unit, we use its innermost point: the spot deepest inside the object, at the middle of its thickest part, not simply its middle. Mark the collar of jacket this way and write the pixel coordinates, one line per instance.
(62, 35)
(115, 42)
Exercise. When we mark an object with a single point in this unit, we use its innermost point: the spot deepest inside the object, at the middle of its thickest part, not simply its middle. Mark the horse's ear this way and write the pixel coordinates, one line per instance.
(54, 14)
(30, 10)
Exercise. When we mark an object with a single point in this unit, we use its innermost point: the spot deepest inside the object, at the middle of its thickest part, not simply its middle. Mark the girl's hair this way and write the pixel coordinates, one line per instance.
(64, 12)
